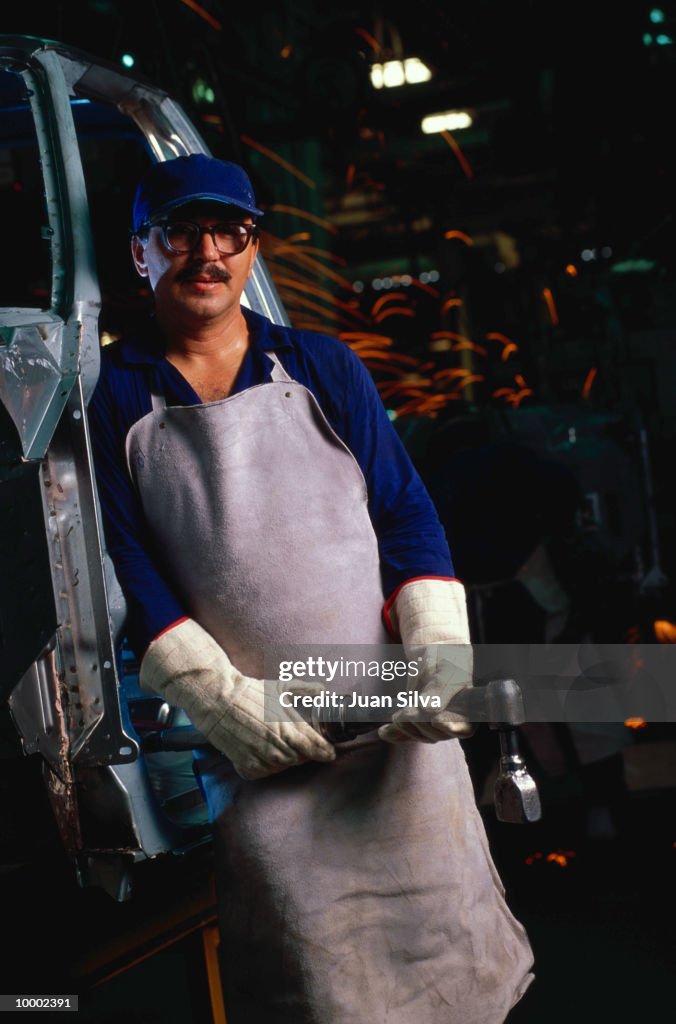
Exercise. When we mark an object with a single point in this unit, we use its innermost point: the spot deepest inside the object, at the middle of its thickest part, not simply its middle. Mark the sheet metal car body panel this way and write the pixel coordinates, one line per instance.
(61, 609)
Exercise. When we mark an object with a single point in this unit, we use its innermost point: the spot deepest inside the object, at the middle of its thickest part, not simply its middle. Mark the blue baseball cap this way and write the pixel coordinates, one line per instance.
(186, 179)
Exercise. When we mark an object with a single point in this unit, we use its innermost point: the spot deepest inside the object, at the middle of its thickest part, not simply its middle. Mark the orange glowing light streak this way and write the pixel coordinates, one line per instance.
(459, 234)
(282, 281)
(433, 403)
(293, 300)
(379, 303)
(279, 248)
(471, 378)
(304, 214)
(557, 858)
(286, 51)
(515, 400)
(502, 392)
(551, 305)
(520, 381)
(461, 342)
(349, 175)
(635, 723)
(294, 255)
(260, 148)
(388, 357)
(203, 14)
(309, 325)
(450, 373)
(459, 155)
(420, 406)
(368, 38)
(300, 236)
(507, 351)
(400, 388)
(393, 387)
(571, 270)
(589, 380)
(417, 283)
(394, 311)
(379, 339)
(665, 631)
(449, 304)
(471, 346)
(496, 336)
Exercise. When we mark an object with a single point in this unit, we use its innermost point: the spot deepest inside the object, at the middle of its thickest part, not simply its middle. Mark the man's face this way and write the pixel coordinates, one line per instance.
(198, 287)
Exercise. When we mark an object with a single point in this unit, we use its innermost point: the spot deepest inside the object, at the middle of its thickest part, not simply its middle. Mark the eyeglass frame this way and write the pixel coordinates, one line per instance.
(251, 232)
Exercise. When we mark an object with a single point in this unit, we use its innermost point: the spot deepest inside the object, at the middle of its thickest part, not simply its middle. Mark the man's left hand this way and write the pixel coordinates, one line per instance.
(431, 617)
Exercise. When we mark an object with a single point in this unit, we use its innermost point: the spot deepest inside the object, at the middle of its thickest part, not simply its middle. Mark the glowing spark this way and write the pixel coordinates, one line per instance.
(368, 38)
(279, 248)
(551, 306)
(282, 208)
(349, 175)
(417, 283)
(286, 51)
(461, 235)
(278, 160)
(300, 236)
(557, 858)
(571, 270)
(496, 336)
(296, 256)
(635, 723)
(589, 380)
(379, 339)
(449, 304)
(471, 378)
(459, 155)
(665, 631)
(330, 313)
(203, 14)
(509, 345)
(282, 280)
(394, 311)
(449, 373)
(379, 303)
(461, 342)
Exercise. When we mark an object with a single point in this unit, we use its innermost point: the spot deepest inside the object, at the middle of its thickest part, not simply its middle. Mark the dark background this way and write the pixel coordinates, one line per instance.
(529, 362)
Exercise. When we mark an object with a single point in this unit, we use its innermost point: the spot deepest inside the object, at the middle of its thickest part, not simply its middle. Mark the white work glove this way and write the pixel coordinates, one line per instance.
(189, 669)
(427, 615)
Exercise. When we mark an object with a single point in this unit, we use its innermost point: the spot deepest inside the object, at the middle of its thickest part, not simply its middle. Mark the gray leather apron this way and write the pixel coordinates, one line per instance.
(363, 890)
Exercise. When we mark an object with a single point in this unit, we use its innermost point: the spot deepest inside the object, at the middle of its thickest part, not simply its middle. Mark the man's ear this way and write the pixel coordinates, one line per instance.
(138, 255)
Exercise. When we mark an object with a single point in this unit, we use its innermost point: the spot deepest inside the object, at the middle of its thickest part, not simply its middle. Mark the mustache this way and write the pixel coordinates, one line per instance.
(202, 268)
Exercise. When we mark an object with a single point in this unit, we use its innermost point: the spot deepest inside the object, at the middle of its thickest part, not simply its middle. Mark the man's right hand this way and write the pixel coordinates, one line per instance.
(189, 669)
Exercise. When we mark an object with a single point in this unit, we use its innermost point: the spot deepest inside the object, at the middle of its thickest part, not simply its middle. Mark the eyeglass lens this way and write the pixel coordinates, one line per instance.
(229, 238)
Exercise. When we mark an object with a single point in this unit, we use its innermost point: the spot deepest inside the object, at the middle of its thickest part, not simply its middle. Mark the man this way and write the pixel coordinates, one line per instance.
(255, 492)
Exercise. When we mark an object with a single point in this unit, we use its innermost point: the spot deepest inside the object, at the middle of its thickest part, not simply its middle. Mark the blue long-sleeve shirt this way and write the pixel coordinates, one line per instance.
(410, 537)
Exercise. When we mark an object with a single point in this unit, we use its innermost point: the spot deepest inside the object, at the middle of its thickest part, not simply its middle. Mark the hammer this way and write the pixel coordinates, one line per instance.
(500, 704)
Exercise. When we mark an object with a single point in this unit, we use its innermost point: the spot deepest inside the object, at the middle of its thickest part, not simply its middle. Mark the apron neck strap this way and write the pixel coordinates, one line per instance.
(278, 373)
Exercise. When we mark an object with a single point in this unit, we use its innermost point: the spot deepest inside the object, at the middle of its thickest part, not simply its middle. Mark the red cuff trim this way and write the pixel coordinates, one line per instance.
(167, 628)
(395, 594)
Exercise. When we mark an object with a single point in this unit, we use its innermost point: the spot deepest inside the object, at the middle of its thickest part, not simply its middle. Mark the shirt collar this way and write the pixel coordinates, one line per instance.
(146, 347)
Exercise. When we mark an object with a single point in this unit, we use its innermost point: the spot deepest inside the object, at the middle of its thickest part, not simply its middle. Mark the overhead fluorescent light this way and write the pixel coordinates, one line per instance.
(446, 121)
(394, 73)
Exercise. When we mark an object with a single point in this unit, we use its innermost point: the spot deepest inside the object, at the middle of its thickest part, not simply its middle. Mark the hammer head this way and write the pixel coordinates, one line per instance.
(516, 796)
